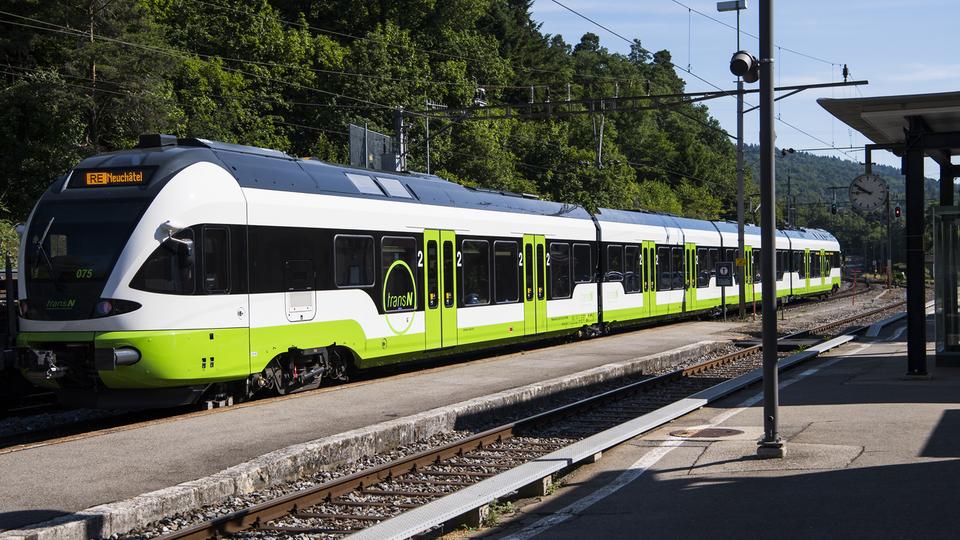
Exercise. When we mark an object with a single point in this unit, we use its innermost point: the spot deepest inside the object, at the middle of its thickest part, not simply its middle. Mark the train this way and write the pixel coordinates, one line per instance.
(186, 268)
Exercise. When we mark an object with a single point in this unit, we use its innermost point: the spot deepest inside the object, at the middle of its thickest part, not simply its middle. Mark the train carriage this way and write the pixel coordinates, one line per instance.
(185, 267)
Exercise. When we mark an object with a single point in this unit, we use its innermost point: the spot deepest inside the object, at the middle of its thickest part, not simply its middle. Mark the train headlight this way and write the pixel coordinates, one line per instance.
(107, 307)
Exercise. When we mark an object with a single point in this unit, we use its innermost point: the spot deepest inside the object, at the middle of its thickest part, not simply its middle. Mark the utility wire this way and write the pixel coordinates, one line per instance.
(744, 32)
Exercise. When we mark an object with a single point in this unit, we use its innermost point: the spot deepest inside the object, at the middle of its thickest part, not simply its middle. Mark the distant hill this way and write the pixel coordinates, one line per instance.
(811, 175)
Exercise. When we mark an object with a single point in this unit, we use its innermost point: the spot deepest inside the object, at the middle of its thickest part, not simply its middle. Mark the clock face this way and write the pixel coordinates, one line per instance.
(868, 192)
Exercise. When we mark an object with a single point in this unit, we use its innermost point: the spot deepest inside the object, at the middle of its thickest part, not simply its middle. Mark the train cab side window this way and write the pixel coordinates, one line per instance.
(506, 273)
(475, 275)
(632, 263)
(170, 268)
(298, 275)
(614, 264)
(216, 260)
(398, 263)
(582, 263)
(559, 270)
(353, 260)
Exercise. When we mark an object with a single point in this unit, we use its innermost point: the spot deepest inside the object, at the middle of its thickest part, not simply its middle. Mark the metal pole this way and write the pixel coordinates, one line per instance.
(740, 194)
(916, 295)
(771, 446)
(366, 149)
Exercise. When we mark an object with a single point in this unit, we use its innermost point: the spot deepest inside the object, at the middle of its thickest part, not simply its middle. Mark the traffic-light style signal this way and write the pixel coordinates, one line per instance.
(896, 211)
(744, 64)
(833, 208)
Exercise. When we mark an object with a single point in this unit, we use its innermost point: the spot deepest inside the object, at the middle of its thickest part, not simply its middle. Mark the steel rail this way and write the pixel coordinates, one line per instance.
(258, 515)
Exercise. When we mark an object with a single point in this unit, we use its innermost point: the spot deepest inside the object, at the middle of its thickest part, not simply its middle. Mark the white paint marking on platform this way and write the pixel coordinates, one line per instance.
(636, 469)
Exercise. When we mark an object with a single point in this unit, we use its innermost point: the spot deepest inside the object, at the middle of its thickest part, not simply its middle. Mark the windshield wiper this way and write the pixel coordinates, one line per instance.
(40, 251)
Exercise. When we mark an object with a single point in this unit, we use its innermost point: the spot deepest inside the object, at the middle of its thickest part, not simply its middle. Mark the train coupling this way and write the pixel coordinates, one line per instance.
(41, 360)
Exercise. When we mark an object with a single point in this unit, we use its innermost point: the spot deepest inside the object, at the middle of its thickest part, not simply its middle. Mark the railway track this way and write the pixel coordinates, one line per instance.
(352, 503)
(55, 423)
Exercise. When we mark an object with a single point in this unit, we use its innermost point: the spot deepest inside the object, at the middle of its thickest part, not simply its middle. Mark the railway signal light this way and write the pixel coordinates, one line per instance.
(744, 64)
(833, 208)
(896, 211)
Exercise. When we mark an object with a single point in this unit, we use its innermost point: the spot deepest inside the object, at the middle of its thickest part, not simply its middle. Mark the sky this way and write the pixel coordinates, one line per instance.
(899, 46)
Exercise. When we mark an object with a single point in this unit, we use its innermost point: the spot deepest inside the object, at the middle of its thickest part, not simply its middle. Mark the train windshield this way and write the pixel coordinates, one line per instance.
(70, 250)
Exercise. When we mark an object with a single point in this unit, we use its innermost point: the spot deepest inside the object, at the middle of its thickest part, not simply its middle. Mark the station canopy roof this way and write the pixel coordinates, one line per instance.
(883, 119)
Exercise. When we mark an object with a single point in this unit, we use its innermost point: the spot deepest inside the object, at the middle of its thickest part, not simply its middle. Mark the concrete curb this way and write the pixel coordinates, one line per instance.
(293, 462)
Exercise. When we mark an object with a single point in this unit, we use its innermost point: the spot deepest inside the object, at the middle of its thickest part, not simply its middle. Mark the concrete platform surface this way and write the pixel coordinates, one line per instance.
(46, 482)
(869, 454)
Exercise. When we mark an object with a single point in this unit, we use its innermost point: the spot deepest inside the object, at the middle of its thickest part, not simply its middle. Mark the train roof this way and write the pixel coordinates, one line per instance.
(263, 168)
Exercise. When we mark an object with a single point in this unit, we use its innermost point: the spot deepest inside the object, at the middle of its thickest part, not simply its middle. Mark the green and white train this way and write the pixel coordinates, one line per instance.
(184, 267)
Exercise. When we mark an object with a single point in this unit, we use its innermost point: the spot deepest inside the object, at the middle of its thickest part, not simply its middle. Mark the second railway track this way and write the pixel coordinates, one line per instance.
(350, 504)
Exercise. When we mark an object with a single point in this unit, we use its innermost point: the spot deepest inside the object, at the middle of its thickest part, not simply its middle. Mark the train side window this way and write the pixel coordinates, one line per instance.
(781, 263)
(448, 274)
(677, 263)
(475, 279)
(541, 278)
(506, 275)
(353, 260)
(730, 255)
(632, 266)
(559, 270)
(798, 265)
(705, 264)
(757, 265)
(298, 275)
(398, 261)
(814, 264)
(216, 260)
(664, 272)
(433, 295)
(582, 263)
(169, 269)
(614, 264)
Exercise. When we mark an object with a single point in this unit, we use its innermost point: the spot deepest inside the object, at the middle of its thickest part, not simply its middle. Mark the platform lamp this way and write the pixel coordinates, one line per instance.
(738, 5)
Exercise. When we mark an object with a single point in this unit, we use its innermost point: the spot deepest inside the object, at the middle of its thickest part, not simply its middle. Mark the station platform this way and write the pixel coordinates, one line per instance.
(870, 453)
(62, 479)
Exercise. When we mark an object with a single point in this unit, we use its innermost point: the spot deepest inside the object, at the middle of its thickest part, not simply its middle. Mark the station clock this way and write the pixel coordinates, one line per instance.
(867, 192)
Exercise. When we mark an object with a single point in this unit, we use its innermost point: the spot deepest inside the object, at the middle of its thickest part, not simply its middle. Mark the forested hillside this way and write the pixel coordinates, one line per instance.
(86, 76)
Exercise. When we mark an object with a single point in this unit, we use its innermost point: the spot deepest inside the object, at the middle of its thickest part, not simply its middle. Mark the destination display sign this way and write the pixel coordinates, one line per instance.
(109, 177)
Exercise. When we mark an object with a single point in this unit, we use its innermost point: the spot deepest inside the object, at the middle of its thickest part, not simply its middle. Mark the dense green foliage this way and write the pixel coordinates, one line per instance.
(89, 76)
(86, 76)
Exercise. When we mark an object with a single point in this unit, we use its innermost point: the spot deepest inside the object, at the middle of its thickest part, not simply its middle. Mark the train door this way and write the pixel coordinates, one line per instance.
(448, 288)
(649, 277)
(806, 267)
(690, 276)
(533, 266)
(748, 273)
(433, 328)
(824, 268)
